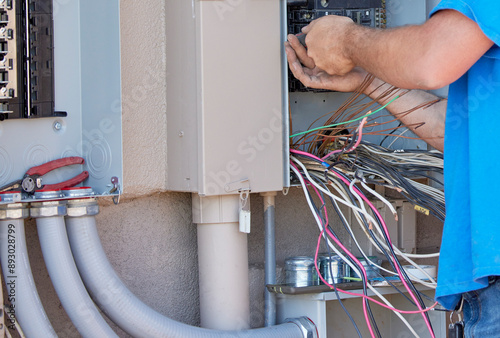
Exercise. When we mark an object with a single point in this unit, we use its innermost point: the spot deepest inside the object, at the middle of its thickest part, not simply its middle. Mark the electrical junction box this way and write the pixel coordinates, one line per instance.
(225, 96)
(61, 90)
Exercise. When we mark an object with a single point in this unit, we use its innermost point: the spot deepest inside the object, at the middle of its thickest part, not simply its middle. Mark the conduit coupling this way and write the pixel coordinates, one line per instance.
(79, 204)
(48, 208)
(13, 210)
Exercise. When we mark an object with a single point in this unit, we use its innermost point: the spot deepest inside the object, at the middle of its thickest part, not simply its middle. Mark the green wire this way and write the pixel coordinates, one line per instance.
(345, 122)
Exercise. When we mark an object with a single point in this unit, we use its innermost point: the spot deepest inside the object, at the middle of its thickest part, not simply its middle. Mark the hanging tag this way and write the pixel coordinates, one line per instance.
(244, 212)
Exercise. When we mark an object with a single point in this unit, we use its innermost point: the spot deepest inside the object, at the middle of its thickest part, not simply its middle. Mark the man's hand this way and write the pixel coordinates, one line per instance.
(327, 42)
(305, 70)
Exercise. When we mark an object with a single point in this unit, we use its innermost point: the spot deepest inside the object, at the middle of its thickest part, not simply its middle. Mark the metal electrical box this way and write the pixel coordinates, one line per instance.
(224, 94)
(61, 89)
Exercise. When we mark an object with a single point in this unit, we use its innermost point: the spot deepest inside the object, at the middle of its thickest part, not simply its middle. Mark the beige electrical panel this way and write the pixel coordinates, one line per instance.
(224, 96)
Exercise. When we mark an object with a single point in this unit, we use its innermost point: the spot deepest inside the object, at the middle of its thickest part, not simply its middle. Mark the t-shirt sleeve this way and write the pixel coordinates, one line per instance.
(485, 12)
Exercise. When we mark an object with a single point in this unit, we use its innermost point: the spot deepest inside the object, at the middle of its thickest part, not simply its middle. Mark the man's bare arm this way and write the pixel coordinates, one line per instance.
(427, 122)
(426, 56)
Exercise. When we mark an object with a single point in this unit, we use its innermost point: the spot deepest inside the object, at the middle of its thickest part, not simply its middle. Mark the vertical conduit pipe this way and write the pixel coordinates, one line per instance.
(21, 289)
(125, 309)
(270, 257)
(222, 263)
(63, 272)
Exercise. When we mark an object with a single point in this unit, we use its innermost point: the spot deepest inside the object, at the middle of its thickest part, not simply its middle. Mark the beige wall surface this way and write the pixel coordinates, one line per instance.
(149, 237)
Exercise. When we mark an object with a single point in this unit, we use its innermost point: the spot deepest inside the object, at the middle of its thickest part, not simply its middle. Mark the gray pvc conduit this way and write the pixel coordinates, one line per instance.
(28, 308)
(124, 308)
(66, 280)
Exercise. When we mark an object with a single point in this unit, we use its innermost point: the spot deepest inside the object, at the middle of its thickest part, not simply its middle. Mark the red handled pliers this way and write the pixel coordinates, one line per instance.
(32, 180)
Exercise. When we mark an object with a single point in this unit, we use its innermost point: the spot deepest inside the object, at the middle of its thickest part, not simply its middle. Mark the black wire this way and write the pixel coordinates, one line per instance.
(392, 132)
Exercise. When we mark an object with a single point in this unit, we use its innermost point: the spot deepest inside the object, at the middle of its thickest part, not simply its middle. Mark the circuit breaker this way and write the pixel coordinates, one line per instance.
(60, 89)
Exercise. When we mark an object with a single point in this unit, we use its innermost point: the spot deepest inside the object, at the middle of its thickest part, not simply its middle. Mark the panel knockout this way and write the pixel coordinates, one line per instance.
(26, 59)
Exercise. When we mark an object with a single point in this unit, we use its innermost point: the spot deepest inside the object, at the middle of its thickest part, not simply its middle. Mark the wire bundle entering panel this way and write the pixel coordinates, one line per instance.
(334, 165)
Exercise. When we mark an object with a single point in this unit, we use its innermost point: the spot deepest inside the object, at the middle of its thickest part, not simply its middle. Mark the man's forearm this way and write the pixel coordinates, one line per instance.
(427, 56)
(427, 122)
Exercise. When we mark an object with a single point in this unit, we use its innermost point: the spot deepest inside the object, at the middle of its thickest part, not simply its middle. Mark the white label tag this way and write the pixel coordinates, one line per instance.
(245, 221)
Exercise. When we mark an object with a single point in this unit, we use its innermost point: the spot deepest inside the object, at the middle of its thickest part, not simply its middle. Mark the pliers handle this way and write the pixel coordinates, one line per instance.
(32, 182)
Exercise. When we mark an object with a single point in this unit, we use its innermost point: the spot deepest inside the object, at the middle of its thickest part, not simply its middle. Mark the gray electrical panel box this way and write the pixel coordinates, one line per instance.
(224, 94)
(61, 94)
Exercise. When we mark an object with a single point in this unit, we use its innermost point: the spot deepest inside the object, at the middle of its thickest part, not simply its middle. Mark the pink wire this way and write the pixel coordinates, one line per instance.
(363, 295)
(384, 227)
(323, 226)
(398, 270)
(360, 129)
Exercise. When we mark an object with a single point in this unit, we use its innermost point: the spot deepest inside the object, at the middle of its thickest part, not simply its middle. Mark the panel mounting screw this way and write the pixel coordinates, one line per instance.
(57, 125)
(181, 134)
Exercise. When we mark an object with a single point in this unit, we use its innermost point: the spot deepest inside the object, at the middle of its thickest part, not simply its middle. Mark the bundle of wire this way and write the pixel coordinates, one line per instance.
(340, 167)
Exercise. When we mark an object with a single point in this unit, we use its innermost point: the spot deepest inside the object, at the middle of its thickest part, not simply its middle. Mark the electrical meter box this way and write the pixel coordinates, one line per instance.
(224, 93)
(60, 90)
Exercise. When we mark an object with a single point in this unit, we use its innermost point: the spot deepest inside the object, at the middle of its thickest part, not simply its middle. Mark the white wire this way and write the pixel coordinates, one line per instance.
(354, 267)
(380, 197)
(397, 137)
(406, 256)
(431, 284)
(368, 216)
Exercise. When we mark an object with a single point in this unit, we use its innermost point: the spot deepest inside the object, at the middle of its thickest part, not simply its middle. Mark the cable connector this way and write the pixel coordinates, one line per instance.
(306, 325)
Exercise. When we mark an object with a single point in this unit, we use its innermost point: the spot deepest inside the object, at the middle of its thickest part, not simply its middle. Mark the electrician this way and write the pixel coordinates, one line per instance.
(457, 46)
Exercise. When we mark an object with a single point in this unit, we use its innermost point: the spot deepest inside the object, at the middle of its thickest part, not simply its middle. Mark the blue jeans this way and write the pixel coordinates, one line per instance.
(482, 311)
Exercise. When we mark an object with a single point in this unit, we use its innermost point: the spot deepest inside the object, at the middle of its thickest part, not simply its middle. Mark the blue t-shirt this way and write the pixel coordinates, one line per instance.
(470, 250)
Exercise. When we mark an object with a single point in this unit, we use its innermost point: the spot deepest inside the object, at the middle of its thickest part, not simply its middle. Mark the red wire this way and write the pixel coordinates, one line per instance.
(384, 227)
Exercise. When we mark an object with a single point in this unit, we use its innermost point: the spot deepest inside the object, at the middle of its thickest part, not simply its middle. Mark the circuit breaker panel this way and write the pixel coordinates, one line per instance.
(26, 60)
(60, 90)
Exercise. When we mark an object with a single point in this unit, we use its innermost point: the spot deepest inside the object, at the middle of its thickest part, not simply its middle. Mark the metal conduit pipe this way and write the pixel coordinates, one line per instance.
(130, 313)
(21, 289)
(270, 258)
(63, 272)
